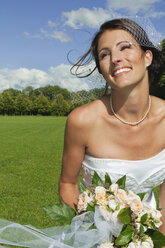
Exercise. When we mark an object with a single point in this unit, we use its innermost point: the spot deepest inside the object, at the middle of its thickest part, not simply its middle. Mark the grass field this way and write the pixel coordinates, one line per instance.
(30, 164)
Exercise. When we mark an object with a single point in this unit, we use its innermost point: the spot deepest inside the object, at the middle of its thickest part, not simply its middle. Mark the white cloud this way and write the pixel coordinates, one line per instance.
(36, 36)
(86, 17)
(130, 6)
(51, 24)
(47, 33)
(23, 77)
(63, 76)
(59, 35)
(155, 14)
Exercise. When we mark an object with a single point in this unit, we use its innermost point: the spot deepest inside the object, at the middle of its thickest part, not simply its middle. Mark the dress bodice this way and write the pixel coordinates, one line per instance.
(142, 175)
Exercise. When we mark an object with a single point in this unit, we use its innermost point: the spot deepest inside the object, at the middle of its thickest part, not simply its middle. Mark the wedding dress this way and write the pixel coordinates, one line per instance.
(142, 176)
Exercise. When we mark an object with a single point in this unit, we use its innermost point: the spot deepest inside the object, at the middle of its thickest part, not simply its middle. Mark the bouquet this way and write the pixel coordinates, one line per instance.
(133, 224)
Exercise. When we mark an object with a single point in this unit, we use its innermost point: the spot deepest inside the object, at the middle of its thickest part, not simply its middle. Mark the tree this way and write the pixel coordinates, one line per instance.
(34, 94)
(48, 91)
(163, 44)
(66, 94)
(98, 92)
(159, 88)
(28, 91)
(8, 102)
(12, 92)
(59, 106)
(41, 105)
(1, 104)
(51, 91)
(23, 104)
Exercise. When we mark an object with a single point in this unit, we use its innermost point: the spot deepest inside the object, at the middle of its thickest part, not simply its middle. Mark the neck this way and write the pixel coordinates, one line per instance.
(132, 105)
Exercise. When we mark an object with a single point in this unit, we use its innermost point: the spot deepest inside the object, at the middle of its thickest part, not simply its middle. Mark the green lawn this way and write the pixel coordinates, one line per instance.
(30, 164)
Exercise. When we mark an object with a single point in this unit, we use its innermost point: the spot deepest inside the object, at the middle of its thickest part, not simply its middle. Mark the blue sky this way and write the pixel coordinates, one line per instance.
(36, 36)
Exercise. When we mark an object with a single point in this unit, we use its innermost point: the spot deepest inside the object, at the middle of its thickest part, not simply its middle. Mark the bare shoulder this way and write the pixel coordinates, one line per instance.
(159, 112)
(159, 106)
(86, 115)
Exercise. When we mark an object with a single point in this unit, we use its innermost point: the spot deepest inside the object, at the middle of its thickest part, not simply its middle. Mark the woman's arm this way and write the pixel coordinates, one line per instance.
(162, 205)
(73, 154)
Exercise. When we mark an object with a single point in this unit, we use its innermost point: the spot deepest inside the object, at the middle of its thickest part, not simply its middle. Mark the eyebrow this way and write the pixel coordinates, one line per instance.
(120, 42)
(123, 41)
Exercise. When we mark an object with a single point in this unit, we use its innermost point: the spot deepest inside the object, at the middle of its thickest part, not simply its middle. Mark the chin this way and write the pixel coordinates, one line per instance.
(122, 82)
(121, 85)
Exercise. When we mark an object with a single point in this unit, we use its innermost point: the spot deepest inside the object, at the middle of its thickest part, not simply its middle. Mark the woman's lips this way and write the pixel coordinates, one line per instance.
(121, 70)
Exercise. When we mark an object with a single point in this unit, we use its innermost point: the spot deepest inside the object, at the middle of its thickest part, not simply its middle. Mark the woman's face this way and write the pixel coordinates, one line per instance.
(122, 61)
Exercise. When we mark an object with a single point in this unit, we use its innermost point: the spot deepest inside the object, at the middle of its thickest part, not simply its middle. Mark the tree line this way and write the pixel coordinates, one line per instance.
(54, 100)
(48, 100)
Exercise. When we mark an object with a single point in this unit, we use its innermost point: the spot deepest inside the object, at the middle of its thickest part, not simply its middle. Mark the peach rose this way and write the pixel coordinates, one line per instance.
(100, 195)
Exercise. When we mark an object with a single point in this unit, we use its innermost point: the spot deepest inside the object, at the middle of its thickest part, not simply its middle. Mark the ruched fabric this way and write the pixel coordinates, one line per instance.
(142, 175)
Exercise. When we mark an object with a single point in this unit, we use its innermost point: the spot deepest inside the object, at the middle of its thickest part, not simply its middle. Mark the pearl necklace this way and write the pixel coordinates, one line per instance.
(131, 123)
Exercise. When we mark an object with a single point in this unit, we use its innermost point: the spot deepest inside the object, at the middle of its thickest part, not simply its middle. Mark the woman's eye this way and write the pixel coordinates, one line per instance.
(103, 55)
(127, 46)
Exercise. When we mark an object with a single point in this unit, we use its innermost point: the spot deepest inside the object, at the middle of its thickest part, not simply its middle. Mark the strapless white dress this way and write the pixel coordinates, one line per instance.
(142, 176)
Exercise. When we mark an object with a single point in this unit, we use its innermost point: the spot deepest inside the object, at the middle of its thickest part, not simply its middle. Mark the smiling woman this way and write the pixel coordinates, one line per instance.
(125, 128)
(121, 60)
(114, 136)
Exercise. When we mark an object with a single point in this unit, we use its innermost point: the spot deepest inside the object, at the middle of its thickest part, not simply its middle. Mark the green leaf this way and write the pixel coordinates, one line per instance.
(141, 229)
(151, 225)
(141, 195)
(108, 209)
(92, 227)
(108, 179)
(125, 216)
(156, 191)
(82, 187)
(96, 180)
(61, 213)
(144, 218)
(125, 236)
(117, 207)
(158, 238)
(90, 208)
(121, 182)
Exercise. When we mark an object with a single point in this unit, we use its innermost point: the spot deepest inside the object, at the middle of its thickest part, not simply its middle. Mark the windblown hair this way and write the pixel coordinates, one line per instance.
(155, 69)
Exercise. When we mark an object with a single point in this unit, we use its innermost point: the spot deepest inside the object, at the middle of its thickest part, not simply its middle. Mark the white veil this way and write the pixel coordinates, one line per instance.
(79, 234)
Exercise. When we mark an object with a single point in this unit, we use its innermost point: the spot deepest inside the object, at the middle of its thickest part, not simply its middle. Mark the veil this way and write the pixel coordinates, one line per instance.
(79, 234)
(89, 71)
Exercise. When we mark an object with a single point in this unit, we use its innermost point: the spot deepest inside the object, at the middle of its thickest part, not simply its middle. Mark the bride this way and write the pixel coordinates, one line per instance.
(122, 134)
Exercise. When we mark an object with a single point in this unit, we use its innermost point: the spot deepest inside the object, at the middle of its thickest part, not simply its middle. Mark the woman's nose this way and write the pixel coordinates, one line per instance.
(116, 57)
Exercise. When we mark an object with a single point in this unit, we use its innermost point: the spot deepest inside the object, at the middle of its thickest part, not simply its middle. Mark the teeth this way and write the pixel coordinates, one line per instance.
(121, 70)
